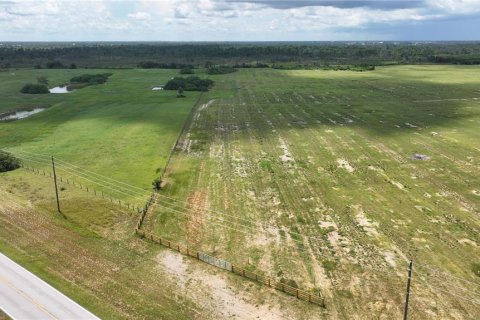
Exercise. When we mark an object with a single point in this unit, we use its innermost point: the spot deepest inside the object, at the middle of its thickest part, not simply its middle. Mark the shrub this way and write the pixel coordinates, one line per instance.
(329, 265)
(186, 70)
(266, 165)
(289, 282)
(8, 162)
(476, 268)
(220, 70)
(54, 65)
(157, 184)
(180, 93)
(91, 78)
(32, 88)
(42, 80)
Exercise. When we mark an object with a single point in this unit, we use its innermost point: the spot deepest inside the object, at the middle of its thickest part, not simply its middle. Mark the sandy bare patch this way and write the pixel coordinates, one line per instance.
(344, 164)
(217, 150)
(206, 105)
(197, 208)
(377, 169)
(211, 291)
(476, 192)
(369, 226)
(239, 164)
(390, 258)
(468, 241)
(286, 156)
(174, 263)
(327, 224)
(397, 184)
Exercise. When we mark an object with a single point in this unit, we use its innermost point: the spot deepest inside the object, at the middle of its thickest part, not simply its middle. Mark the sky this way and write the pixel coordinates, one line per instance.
(239, 20)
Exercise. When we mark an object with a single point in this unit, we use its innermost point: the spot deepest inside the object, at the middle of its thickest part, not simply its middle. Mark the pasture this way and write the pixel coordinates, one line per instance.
(329, 180)
(121, 129)
(333, 180)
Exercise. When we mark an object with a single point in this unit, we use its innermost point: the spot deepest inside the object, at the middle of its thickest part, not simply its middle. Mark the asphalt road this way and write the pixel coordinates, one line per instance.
(24, 296)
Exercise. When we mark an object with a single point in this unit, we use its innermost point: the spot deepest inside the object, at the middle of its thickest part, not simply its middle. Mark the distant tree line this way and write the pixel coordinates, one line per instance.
(158, 65)
(258, 54)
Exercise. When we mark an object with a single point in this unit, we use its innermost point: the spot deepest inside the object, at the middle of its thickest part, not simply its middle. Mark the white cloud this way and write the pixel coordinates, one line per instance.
(140, 15)
(208, 19)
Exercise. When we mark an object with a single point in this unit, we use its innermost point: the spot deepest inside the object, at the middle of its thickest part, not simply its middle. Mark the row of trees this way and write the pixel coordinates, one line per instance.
(159, 65)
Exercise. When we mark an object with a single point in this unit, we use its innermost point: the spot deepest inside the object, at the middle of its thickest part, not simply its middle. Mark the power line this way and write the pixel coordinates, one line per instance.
(476, 302)
(82, 174)
(89, 173)
(220, 219)
(447, 274)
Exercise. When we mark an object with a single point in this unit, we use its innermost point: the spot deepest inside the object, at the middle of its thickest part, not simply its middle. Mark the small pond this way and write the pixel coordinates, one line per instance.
(59, 90)
(19, 114)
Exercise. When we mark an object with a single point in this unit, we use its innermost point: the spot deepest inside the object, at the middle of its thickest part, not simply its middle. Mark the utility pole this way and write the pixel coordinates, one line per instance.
(56, 188)
(410, 267)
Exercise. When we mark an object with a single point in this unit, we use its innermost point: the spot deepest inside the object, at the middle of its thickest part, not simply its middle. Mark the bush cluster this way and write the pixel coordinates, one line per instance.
(8, 162)
(187, 70)
(220, 70)
(34, 88)
(189, 84)
(91, 78)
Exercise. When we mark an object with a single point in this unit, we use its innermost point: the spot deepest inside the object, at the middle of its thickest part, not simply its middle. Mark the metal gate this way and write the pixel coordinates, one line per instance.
(214, 261)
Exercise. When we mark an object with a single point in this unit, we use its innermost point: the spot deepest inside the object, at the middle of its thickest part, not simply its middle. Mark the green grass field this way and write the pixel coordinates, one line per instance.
(309, 176)
(306, 176)
(121, 129)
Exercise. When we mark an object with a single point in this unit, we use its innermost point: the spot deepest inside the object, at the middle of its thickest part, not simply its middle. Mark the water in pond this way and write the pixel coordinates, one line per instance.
(59, 90)
(20, 114)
